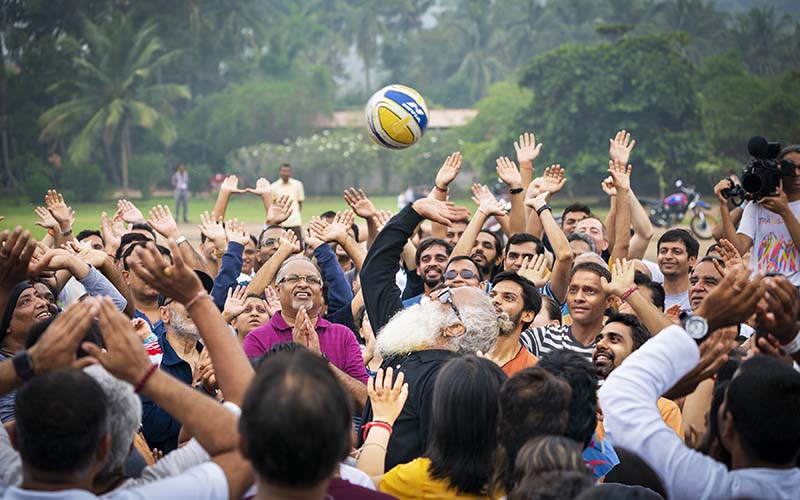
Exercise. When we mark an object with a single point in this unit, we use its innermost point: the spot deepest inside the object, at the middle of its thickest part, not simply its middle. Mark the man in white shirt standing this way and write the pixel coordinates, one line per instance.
(180, 181)
(292, 188)
(757, 419)
(770, 226)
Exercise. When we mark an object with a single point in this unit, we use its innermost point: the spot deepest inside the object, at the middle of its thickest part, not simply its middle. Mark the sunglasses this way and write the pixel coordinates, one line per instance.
(465, 273)
(446, 297)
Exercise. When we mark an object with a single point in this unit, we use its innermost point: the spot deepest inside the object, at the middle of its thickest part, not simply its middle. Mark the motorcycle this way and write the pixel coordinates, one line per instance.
(672, 210)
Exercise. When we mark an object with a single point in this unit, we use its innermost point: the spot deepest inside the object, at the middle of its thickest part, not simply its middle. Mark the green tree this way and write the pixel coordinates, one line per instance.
(114, 89)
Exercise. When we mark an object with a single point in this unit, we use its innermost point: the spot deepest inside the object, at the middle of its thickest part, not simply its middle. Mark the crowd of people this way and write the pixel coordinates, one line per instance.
(488, 352)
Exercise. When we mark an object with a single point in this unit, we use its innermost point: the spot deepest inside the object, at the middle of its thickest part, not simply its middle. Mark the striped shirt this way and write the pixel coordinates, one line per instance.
(541, 340)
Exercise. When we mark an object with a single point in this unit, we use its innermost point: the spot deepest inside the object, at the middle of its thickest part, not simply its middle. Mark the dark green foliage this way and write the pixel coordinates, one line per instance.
(83, 182)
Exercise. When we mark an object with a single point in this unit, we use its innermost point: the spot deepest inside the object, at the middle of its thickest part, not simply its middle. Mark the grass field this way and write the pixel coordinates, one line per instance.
(244, 207)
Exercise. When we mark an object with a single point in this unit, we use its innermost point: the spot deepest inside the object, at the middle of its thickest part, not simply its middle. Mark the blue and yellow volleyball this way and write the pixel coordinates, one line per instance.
(396, 117)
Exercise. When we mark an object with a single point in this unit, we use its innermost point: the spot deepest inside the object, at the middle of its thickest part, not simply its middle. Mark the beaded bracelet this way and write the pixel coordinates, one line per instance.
(150, 372)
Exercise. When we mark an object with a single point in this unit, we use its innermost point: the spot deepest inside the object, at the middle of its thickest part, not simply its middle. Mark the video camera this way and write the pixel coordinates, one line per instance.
(762, 175)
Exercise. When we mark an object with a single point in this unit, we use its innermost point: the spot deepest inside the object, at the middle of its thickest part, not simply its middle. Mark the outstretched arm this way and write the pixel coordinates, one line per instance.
(527, 152)
(441, 186)
(559, 279)
(621, 176)
(287, 246)
(488, 205)
(228, 187)
(509, 174)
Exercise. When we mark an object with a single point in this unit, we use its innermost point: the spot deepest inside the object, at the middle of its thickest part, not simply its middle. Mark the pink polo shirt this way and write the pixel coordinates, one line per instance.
(336, 341)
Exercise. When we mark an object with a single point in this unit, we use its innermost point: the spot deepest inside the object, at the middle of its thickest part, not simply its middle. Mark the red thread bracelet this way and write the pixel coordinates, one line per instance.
(150, 372)
(194, 300)
(629, 293)
(377, 423)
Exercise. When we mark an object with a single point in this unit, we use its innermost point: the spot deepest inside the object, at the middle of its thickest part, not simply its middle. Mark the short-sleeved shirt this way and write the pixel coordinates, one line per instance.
(544, 339)
(294, 190)
(523, 359)
(774, 251)
(336, 341)
(412, 481)
(682, 299)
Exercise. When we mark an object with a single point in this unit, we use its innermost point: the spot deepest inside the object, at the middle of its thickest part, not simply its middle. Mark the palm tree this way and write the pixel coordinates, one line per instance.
(111, 91)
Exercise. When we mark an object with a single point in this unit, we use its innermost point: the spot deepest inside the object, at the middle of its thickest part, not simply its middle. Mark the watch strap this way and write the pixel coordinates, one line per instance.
(23, 365)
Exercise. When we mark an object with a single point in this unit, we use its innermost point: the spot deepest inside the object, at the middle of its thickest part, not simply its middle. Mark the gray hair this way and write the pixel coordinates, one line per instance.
(282, 269)
(124, 415)
(480, 319)
(576, 236)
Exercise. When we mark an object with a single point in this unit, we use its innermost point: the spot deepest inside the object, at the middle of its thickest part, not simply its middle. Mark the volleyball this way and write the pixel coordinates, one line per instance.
(396, 117)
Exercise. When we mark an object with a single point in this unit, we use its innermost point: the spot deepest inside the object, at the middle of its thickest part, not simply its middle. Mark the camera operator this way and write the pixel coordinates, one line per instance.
(771, 224)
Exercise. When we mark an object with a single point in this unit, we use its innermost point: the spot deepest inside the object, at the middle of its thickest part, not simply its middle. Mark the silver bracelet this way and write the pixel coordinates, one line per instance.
(793, 346)
(180, 239)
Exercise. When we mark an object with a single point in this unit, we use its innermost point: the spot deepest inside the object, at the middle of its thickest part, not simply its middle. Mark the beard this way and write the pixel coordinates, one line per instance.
(409, 330)
(506, 324)
(183, 327)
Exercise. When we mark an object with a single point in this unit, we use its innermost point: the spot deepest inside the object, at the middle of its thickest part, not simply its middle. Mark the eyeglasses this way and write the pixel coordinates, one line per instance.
(465, 273)
(446, 297)
(294, 279)
(269, 242)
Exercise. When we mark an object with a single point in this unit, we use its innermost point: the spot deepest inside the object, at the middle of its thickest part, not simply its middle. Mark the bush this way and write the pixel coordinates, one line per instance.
(35, 175)
(84, 182)
(35, 186)
(146, 171)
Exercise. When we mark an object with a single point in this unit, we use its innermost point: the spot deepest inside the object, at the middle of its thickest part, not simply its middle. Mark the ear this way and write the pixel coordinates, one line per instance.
(483, 286)
(454, 330)
(103, 449)
(727, 430)
(164, 314)
(527, 316)
(605, 244)
(692, 261)
(125, 275)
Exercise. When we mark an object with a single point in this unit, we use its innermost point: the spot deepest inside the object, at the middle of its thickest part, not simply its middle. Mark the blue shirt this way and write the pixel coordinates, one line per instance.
(159, 427)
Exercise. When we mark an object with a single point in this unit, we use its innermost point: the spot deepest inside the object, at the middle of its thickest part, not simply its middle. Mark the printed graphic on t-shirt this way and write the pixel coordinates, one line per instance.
(777, 254)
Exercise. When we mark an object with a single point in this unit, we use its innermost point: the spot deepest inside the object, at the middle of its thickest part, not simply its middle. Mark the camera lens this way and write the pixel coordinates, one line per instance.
(753, 183)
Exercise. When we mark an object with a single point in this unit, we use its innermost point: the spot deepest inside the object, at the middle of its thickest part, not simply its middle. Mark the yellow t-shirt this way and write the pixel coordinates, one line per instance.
(294, 190)
(412, 481)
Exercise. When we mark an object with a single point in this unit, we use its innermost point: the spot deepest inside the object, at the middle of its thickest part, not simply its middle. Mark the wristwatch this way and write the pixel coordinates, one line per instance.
(695, 326)
(23, 365)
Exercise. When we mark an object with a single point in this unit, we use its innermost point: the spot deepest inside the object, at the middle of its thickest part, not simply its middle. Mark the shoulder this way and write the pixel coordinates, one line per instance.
(413, 472)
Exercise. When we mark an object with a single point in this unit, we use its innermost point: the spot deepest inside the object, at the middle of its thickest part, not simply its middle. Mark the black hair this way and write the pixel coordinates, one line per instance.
(710, 443)
(713, 247)
(608, 491)
(639, 333)
(354, 227)
(580, 375)
(542, 455)
(532, 403)
(764, 401)
(254, 240)
(531, 298)
(125, 240)
(656, 289)
(432, 242)
(519, 238)
(461, 449)
(261, 235)
(791, 148)
(591, 267)
(557, 485)
(634, 472)
(296, 420)
(682, 236)
(466, 257)
(327, 214)
(280, 347)
(128, 251)
(285, 165)
(144, 226)
(575, 207)
(92, 335)
(61, 419)
(552, 307)
(90, 232)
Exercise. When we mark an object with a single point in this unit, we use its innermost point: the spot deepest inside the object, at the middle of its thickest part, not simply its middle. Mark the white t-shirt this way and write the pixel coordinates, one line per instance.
(293, 189)
(774, 250)
(655, 273)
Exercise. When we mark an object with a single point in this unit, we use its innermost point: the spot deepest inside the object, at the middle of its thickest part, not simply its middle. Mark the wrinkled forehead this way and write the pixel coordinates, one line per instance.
(590, 223)
(705, 269)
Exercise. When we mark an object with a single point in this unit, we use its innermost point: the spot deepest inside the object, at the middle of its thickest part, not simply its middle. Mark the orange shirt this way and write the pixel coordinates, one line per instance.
(523, 359)
(670, 414)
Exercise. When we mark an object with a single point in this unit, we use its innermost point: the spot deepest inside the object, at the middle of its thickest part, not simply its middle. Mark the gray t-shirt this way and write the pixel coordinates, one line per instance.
(678, 298)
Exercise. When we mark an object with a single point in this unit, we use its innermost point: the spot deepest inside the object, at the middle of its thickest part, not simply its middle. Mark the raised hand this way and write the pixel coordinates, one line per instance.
(387, 397)
(58, 345)
(381, 218)
(124, 355)
(162, 221)
(620, 147)
(262, 187)
(492, 207)
(729, 254)
(174, 279)
(273, 302)
(279, 210)
(526, 147)
(53, 259)
(141, 328)
(46, 219)
(535, 270)
(231, 185)
(128, 212)
(112, 232)
(16, 250)
(213, 229)
(337, 229)
(733, 300)
(234, 304)
(552, 179)
(62, 213)
(289, 241)
(768, 345)
(442, 212)
(508, 172)
(608, 186)
(448, 171)
(622, 278)
(360, 204)
(313, 239)
(779, 316)
(235, 231)
(620, 175)
(481, 192)
(538, 201)
(84, 251)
